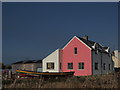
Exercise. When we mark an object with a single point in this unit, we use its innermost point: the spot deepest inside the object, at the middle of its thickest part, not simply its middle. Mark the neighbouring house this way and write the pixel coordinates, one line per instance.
(30, 65)
(52, 62)
(80, 55)
(116, 59)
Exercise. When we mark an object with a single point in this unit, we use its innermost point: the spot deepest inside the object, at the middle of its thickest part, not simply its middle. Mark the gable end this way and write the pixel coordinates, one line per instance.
(79, 40)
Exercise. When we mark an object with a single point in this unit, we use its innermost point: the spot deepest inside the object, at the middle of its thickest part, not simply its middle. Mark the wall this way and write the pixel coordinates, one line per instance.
(16, 66)
(108, 60)
(83, 55)
(53, 57)
(102, 58)
(116, 59)
(27, 66)
(116, 62)
(37, 65)
(116, 53)
(96, 58)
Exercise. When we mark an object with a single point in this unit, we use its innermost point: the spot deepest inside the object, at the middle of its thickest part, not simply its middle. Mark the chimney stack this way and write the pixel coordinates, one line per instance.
(85, 37)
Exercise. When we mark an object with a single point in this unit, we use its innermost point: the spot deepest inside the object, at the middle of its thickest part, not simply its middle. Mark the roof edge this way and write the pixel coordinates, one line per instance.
(79, 40)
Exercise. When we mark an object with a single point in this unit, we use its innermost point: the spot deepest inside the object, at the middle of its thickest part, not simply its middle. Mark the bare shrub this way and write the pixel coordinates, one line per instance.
(96, 81)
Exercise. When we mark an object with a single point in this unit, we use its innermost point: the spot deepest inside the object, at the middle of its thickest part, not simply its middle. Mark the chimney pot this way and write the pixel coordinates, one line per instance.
(85, 37)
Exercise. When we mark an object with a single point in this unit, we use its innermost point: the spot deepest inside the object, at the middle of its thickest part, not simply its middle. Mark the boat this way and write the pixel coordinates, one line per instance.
(25, 73)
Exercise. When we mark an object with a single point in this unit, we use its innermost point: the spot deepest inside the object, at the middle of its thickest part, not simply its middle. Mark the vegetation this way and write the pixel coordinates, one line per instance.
(3, 66)
(97, 81)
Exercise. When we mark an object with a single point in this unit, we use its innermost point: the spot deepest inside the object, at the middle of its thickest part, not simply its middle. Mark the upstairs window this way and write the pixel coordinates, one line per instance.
(70, 65)
(75, 50)
(81, 65)
(104, 66)
(50, 65)
(96, 66)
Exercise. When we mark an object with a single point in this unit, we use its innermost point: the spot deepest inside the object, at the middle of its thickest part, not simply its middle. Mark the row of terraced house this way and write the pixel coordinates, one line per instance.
(80, 55)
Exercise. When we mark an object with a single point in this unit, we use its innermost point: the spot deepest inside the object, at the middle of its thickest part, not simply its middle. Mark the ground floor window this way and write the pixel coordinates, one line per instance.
(96, 66)
(50, 65)
(81, 65)
(39, 69)
(70, 65)
(109, 67)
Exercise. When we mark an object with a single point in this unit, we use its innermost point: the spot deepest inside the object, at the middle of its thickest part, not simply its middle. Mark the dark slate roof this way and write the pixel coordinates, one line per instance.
(28, 61)
(18, 62)
(105, 47)
(39, 61)
(88, 42)
(91, 43)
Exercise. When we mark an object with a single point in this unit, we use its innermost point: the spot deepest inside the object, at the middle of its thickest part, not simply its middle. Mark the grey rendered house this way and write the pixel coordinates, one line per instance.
(29, 65)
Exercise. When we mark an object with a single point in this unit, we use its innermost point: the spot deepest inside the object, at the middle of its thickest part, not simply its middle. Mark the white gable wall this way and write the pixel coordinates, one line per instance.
(54, 58)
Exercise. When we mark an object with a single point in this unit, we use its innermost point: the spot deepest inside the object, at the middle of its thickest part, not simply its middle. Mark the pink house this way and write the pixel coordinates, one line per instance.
(82, 56)
(77, 57)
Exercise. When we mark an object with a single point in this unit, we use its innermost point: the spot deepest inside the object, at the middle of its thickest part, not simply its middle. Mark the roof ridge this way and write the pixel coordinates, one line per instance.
(91, 43)
(85, 39)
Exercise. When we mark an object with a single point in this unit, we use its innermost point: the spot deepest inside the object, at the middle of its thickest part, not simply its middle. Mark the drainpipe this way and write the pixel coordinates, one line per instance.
(112, 63)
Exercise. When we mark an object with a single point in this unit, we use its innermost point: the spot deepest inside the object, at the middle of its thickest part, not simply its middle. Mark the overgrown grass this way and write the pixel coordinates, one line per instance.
(97, 81)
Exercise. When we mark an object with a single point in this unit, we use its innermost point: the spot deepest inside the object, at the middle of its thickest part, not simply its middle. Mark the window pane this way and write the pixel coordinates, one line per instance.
(70, 65)
(109, 66)
(50, 65)
(75, 50)
(81, 65)
(104, 66)
(96, 66)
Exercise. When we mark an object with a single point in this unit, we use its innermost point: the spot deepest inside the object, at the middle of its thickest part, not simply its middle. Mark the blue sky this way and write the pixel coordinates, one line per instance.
(34, 30)
(0, 32)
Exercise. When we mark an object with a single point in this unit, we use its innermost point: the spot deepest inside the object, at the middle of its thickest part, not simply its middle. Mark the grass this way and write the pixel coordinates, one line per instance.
(97, 81)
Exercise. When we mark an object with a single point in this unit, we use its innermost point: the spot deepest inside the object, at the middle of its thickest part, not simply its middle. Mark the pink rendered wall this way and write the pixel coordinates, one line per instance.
(83, 55)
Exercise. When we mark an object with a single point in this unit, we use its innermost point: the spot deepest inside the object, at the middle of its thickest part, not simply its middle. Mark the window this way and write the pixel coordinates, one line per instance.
(70, 65)
(39, 69)
(109, 66)
(96, 66)
(81, 65)
(50, 65)
(104, 66)
(75, 50)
